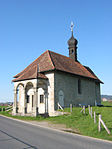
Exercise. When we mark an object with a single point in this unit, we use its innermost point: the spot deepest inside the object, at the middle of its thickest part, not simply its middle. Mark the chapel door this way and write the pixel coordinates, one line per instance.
(61, 98)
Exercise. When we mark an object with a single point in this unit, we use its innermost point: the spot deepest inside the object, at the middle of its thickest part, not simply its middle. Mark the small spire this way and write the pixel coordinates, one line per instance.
(72, 45)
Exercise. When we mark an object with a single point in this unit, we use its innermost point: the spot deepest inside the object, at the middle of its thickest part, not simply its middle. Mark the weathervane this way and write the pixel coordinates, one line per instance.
(72, 26)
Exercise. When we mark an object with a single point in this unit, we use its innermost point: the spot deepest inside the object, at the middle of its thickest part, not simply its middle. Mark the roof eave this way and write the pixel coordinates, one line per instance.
(15, 80)
(97, 80)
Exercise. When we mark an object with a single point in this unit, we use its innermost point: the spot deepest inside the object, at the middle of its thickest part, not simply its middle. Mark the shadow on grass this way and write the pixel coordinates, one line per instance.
(107, 106)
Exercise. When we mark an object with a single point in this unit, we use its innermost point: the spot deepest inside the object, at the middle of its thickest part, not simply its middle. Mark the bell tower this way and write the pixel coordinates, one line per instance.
(72, 45)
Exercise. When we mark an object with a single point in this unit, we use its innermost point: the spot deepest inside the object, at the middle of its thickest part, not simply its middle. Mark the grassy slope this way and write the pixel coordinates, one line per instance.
(80, 123)
(84, 124)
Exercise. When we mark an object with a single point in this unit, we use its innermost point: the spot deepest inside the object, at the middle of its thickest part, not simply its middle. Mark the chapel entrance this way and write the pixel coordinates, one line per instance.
(20, 97)
(61, 98)
(29, 97)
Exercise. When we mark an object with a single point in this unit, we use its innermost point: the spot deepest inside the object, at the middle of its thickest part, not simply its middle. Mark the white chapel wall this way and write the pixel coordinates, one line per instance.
(50, 77)
(41, 106)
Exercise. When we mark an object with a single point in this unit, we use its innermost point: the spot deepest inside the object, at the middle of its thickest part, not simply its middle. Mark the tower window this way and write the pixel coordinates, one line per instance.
(41, 98)
(79, 86)
(72, 51)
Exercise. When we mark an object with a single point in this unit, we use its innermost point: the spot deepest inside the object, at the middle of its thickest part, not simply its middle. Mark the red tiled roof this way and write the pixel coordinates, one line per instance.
(53, 61)
(30, 73)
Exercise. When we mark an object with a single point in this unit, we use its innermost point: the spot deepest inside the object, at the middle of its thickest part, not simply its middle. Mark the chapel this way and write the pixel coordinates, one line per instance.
(54, 80)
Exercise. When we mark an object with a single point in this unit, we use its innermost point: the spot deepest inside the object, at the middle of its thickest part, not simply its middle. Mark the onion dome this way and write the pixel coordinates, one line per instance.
(72, 42)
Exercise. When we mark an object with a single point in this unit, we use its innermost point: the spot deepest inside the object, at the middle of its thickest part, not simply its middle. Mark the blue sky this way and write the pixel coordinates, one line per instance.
(30, 27)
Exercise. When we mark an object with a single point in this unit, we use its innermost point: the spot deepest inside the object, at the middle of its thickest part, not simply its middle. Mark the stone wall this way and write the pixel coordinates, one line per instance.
(69, 85)
(98, 95)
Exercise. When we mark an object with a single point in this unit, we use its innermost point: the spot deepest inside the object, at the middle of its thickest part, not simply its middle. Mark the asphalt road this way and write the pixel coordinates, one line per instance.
(18, 135)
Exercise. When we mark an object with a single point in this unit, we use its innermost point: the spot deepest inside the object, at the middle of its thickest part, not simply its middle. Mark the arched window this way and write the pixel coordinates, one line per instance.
(79, 86)
(41, 98)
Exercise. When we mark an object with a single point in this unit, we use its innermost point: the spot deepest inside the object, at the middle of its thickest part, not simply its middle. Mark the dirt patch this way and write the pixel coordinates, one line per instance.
(55, 126)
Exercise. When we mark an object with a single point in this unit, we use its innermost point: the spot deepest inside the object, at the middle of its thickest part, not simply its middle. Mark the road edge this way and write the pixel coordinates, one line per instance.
(53, 129)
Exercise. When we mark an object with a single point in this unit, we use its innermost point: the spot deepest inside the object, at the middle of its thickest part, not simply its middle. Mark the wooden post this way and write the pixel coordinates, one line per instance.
(94, 117)
(108, 131)
(89, 109)
(99, 124)
(58, 105)
(91, 112)
(81, 110)
(71, 108)
(84, 109)
(2, 109)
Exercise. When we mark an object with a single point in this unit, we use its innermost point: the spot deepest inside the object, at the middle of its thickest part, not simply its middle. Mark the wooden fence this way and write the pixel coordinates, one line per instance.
(100, 121)
(8, 108)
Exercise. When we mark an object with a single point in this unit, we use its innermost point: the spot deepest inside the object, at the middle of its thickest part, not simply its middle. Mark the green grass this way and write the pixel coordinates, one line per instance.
(27, 118)
(84, 124)
(80, 123)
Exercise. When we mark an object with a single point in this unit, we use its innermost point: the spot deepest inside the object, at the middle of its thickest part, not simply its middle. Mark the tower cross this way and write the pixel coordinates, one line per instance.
(72, 26)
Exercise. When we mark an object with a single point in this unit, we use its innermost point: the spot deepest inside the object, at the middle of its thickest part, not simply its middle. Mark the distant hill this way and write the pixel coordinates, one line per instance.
(108, 97)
